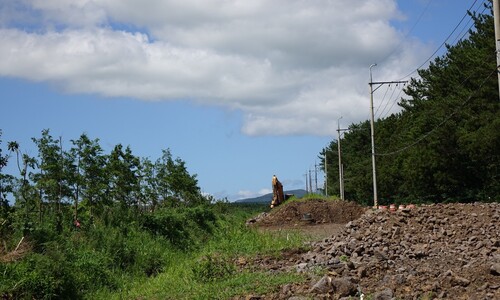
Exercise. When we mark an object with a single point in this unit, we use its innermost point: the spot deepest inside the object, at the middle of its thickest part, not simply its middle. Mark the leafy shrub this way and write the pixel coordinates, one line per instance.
(37, 277)
(202, 216)
(169, 224)
(182, 227)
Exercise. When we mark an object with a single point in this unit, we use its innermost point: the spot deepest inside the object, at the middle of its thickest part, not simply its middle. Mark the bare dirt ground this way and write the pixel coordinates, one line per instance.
(443, 251)
(317, 219)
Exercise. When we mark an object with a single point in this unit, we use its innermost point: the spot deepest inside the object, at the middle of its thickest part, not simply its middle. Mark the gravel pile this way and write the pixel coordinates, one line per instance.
(438, 251)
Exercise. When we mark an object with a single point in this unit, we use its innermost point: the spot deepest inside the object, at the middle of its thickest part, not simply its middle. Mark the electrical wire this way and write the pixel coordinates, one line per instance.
(466, 28)
(443, 43)
(408, 33)
(461, 35)
(383, 98)
(424, 136)
(390, 98)
(393, 101)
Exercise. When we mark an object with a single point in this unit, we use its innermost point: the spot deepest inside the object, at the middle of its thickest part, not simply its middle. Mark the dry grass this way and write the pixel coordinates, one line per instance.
(17, 254)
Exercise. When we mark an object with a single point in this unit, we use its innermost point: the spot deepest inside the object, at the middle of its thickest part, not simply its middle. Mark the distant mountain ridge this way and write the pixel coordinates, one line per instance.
(267, 198)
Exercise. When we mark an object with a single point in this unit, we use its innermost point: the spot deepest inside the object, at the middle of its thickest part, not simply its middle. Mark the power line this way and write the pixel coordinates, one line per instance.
(464, 31)
(408, 33)
(462, 83)
(392, 100)
(383, 98)
(424, 136)
(466, 28)
(444, 42)
(461, 35)
(395, 100)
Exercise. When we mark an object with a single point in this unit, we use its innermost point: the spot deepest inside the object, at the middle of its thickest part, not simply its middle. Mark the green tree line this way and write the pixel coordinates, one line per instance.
(89, 182)
(443, 144)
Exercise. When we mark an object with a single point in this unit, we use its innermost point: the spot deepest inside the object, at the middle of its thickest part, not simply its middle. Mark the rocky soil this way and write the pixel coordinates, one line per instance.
(441, 251)
(310, 212)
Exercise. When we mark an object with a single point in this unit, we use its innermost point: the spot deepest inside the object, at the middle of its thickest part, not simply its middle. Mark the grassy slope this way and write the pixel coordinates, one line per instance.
(210, 272)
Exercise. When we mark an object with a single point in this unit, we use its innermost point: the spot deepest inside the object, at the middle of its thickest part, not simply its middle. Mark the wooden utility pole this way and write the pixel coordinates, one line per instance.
(310, 182)
(341, 167)
(307, 186)
(375, 199)
(61, 176)
(316, 177)
(372, 125)
(496, 16)
(326, 173)
(341, 185)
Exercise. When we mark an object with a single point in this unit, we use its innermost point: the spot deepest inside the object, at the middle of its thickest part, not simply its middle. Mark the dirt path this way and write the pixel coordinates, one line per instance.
(314, 232)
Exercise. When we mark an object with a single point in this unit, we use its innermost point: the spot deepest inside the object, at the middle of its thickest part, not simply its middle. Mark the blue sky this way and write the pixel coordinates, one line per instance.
(239, 90)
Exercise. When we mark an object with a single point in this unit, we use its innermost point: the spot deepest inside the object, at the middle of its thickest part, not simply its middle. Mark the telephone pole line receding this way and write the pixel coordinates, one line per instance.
(372, 125)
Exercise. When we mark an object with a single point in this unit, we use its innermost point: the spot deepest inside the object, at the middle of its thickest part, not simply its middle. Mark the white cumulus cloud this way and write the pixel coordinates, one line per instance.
(291, 67)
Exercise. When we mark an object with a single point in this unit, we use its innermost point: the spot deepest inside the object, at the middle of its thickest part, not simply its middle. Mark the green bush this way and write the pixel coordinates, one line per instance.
(38, 277)
(182, 227)
(133, 250)
(170, 225)
(202, 216)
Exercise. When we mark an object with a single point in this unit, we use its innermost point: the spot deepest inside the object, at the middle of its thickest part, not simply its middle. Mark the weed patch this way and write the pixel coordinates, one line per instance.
(212, 268)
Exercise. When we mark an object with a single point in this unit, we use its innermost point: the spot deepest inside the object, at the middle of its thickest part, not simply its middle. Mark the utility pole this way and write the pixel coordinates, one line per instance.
(343, 186)
(60, 179)
(375, 199)
(372, 125)
(496, 17)
(316, 176)
(310, 181)
(341, 167)
(326, 174)
(307, 187)
(341, 181)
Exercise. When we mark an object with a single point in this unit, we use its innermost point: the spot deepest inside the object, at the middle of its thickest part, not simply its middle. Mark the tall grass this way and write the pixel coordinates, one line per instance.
(211, 271)
(182, 286)
(183, 253)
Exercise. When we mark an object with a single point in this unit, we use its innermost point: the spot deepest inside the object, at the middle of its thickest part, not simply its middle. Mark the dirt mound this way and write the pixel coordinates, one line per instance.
(444, 251)
(310, 212)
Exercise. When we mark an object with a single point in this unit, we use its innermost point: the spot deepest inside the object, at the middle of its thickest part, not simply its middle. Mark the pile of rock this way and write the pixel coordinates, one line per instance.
(436, 251)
